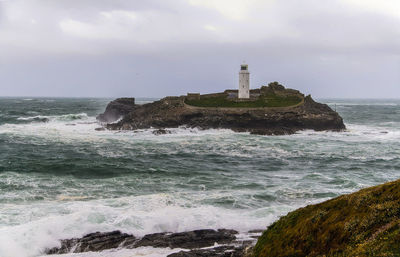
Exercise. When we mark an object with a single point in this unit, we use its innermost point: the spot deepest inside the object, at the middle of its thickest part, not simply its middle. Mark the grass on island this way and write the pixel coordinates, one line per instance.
(270, 101)
(365, 223)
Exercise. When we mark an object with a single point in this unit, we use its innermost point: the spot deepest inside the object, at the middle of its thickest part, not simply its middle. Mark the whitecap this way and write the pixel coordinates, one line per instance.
(43, 224)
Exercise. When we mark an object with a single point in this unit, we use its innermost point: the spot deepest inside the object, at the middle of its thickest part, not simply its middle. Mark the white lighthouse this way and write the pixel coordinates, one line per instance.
(244, 82)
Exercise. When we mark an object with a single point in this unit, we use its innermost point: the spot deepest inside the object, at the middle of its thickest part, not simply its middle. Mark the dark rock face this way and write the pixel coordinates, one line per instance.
(117, 109)
(186, 240)
(92, 242)
(220, 251)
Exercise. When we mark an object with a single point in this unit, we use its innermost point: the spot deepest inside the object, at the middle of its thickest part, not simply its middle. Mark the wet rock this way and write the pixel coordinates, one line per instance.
(100, 129)
(117, 109)
(272, 131)
(40, 119)
(220, 251)
(161, 132)
(188, 240)
(256, 231)
(66, 246)
(92, 242)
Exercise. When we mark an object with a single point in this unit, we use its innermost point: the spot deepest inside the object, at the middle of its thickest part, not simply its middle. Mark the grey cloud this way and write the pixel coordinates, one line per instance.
(156, 48)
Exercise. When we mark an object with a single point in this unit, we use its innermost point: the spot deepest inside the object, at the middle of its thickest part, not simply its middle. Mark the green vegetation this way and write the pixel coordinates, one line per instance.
(365, 223)
(268, 101)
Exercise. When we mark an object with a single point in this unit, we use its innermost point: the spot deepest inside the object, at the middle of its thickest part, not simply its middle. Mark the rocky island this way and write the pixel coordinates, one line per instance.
(269, 110)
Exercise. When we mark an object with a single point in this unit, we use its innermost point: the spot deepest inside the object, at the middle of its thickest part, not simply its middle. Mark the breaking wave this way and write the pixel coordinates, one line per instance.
(138, 215)
(66, 117)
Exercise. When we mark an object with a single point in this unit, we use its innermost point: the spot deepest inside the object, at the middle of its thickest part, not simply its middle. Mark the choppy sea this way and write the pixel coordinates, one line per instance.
(59, 178)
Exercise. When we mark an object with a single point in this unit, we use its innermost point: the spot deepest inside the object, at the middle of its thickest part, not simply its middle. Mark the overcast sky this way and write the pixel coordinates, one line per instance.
(153, 48)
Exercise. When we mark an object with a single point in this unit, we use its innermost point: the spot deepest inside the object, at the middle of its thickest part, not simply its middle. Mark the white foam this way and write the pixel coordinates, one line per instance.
(42, 224)
(74, 127)
(184, 140)
(355, 133)
(362, 103)
(65, 117)
(32, 118)
(81, 128)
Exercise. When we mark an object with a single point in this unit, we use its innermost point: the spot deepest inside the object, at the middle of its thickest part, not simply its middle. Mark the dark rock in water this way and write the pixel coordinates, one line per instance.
(188, 240)
(40, 119)
(220, 251)
(173, 112)
(66, 246)
(117, 109)
(92, 242)
(256, 231)
(100, 129)
(161, 132)
(273, 131)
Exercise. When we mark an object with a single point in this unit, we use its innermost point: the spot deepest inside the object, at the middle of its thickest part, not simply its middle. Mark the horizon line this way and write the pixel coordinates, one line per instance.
(155, 97)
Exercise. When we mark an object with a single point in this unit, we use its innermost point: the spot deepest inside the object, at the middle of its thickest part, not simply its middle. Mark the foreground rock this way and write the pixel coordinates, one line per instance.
(173, 112)
(365, 223)
(188, 240)
(92, 242)
(220, 251)
(185, 240)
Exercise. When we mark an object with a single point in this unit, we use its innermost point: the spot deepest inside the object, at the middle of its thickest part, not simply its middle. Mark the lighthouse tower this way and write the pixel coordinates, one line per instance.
(244, 82)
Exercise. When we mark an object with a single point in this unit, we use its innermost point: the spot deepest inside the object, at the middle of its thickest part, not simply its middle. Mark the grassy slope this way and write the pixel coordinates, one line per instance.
(270, 101)
(365, 223)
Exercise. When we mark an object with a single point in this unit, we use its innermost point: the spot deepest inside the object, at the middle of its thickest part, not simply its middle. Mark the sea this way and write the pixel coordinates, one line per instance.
(60, 178)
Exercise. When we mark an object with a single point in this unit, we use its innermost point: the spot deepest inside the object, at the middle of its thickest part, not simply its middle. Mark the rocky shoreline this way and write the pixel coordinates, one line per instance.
(205, 242)
(364, 223)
